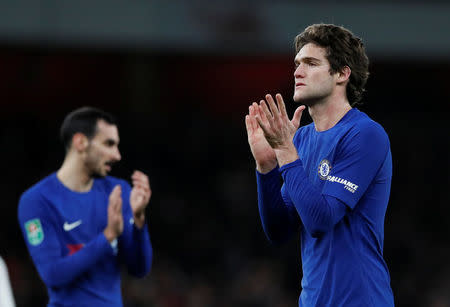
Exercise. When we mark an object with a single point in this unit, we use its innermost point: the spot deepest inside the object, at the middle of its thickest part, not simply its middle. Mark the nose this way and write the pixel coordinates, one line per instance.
(117, 155)
(299, 72)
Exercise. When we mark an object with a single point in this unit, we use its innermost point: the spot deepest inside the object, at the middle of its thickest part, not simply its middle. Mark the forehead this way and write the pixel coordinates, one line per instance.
(106, 131)
(311, 50)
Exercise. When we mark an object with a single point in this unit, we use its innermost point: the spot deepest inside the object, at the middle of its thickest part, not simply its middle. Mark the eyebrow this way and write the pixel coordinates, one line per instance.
(110, 141)
(307, 60)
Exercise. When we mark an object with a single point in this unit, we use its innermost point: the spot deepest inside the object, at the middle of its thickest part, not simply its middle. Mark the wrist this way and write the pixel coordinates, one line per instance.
(109, 235)
(266, 167)
(286, 154)
(139, 219)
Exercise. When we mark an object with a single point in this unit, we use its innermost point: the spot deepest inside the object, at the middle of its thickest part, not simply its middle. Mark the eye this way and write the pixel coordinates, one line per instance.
(110, 143)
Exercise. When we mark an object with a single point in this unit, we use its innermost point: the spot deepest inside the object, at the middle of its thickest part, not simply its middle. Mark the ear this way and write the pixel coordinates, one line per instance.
(80, 142)
(344, 74)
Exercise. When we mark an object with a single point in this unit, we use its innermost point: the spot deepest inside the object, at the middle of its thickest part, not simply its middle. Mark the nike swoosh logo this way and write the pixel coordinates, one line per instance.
(69, 227)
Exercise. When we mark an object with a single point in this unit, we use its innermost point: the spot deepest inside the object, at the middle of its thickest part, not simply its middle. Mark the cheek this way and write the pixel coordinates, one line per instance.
(94, 156)
(91, 158)
(322, 80)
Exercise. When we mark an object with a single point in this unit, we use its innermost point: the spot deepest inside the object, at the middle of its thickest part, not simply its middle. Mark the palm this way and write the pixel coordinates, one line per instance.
(261, 150)
(139, 197)
(137, 200)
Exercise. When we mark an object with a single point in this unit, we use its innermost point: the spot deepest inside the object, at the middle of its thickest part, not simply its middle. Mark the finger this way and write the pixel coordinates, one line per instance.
(142, 187)
(115, 194)
(119, 206)
(263, 126)
(249, 120)
(297, 116)
(253, 113)
(115, 191)
(143, 193)
(265, 114)
(141, 181)
(273, 107)
(248, 125)
(139, 175)
(281, 105)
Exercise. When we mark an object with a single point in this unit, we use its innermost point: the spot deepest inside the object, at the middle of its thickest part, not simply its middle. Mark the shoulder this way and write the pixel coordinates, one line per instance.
(33, 197)
(363, 133)
(367, 128)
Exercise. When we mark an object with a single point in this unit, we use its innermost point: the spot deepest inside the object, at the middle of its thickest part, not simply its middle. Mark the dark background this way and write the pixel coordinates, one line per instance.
(181, 120)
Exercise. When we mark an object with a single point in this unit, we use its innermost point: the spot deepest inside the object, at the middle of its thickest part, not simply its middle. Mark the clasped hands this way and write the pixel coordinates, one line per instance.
(270, 133)
(139, 199)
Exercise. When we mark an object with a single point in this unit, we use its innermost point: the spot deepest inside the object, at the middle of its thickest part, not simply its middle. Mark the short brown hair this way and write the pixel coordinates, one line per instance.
(343, 48)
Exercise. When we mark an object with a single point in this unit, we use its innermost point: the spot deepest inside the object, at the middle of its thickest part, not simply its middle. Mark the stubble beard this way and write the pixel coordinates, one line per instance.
(313, 99)
(310, 101)
(94, 167)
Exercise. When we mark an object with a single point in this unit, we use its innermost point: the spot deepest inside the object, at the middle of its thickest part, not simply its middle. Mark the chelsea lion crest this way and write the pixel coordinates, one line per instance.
(324, 169)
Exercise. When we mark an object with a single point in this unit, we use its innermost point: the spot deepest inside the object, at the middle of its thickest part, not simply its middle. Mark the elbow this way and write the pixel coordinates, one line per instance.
(317, 230)
(140, 273)
(276, 234)
(275, 240)
(319, 224)
(53, 278)
(316, 233)
(143, 269)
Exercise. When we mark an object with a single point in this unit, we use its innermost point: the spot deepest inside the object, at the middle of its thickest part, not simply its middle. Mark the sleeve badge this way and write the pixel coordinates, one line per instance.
(35, 233)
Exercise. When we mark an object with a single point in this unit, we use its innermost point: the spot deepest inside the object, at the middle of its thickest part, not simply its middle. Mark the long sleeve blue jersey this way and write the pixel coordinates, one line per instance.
(336, 194)
(63, 231)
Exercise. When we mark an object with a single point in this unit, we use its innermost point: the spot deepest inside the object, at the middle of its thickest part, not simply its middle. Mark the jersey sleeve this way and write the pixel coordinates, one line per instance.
(359, 157)
(41, 236)
(288, 203)
(318, 213)
(135, 247)
(278, 216)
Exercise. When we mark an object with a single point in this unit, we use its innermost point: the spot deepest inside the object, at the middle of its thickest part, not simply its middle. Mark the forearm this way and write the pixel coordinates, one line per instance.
(318, 213)
(57, 272)
(275, 217)
(136, 248)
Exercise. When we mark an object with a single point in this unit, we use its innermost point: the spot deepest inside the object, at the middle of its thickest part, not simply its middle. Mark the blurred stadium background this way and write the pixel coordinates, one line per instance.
(179, 76)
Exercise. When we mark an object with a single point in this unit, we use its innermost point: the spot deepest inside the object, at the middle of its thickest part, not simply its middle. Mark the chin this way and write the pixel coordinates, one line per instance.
(300, 97)
(99, 174)
(307, 100)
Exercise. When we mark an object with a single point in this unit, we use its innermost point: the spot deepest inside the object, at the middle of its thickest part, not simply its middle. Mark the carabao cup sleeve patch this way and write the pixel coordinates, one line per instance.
(35, 233)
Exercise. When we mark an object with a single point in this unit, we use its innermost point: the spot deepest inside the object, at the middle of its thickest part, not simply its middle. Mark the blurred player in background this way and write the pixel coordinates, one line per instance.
(6, 296)
(336, 173)
(79, 224)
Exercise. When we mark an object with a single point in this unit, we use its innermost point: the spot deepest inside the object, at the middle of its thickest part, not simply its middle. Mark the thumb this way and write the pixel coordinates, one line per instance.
(297, 116)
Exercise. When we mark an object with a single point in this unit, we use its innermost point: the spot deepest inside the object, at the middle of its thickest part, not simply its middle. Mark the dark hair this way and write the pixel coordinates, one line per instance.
(83, 120)
(343, 48)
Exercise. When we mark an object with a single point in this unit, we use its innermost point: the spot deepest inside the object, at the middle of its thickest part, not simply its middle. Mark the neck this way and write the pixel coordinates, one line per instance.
(328, 113)
(73, 174)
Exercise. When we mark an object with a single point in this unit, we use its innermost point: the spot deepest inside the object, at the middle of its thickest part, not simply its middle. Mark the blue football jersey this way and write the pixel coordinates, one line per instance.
(63, 230)
(352, 162)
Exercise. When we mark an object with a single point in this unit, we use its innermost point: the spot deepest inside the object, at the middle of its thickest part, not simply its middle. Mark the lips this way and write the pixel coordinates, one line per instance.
(299, 84)
(108, 165)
